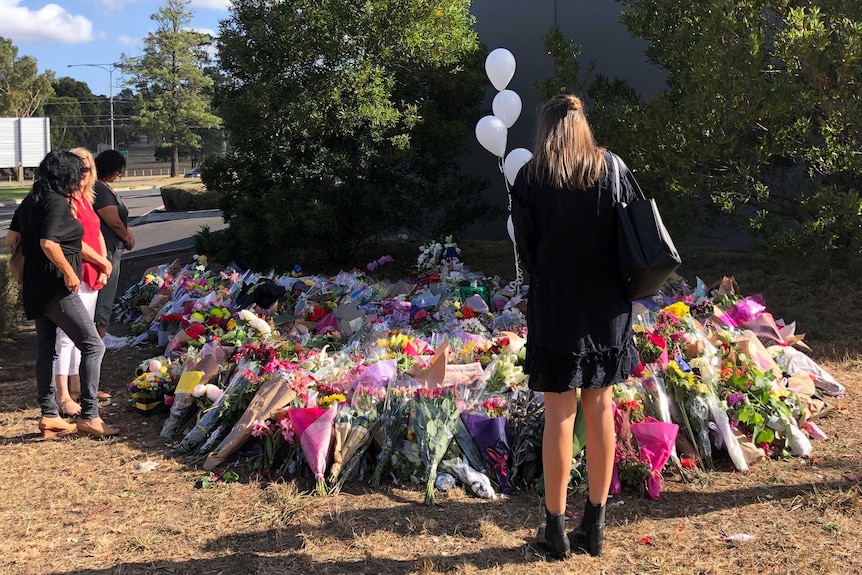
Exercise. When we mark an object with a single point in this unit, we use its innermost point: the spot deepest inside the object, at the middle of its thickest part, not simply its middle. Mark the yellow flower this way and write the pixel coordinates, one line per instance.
(679, 309)
(326, 402)
(231, 325)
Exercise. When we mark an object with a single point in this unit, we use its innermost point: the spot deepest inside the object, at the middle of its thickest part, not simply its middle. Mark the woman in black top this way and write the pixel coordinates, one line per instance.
(50, 239)
(114, 214)
(579, 321)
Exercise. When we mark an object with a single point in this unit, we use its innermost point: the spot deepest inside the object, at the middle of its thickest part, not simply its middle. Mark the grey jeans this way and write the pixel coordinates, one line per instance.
(68, 313)
(105, 303)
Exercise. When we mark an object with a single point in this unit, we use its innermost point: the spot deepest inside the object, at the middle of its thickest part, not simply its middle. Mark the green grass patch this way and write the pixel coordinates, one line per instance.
(13, 193)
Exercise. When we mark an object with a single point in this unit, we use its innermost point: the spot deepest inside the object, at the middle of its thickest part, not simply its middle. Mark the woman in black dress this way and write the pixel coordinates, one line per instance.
(50, 239)
(579, 325)
(114, 214)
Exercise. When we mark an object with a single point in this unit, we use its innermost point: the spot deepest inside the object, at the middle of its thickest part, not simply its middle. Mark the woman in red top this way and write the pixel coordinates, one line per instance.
(94, 273)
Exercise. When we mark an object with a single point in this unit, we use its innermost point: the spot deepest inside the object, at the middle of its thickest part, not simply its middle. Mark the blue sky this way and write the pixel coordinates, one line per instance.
(90, 32)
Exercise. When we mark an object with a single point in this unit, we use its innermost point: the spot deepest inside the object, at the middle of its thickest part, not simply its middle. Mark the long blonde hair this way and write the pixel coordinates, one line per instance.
(86, 154)
(565, 153)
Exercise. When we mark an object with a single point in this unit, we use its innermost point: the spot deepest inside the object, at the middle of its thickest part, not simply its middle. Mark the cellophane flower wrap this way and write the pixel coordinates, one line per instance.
(434, 424)
(313, 426)
(354, 426)
(656, 441)
(489, 433)
(393, 426)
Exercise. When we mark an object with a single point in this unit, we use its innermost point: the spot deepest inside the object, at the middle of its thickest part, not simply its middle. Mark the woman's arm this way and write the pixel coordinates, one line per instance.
(55, 254)
(111, 216)
(88, 254)
(12, 239)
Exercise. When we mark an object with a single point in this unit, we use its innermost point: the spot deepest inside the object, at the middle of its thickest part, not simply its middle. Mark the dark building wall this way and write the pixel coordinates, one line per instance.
(519, 26)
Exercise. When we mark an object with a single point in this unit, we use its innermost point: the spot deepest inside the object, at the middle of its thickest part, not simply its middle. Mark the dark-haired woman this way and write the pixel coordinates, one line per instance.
(578, 317)
(50, 239)
(114, 215)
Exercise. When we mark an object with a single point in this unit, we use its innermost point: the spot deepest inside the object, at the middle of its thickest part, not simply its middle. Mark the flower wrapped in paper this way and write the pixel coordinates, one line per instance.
(656, 440)
(354, 427)
(209, 421)
(313, 426)
(198, 370)
(489, 433)
(434, 424)
(273, 394)
(393, 426)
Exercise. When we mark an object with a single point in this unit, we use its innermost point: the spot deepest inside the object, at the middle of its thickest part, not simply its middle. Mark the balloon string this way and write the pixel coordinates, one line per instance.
(519, 274)
(506, 182)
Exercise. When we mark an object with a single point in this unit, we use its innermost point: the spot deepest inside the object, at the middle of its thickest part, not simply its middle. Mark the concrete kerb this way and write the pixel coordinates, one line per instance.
(156, 215)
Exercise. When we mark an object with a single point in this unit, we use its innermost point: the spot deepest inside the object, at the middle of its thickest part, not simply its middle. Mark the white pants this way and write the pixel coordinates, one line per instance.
(67, 357)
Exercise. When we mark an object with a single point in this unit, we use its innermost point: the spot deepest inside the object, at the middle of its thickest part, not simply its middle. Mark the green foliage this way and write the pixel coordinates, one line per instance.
(345, 120)
(761, 117)
(183, 197)
(22, 87)
(173, 93)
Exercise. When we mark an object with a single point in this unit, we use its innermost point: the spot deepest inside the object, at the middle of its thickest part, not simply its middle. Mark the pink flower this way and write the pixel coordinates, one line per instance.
(259, 428)
(287, 430)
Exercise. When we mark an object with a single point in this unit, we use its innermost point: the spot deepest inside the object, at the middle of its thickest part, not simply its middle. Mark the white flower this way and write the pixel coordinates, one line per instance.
(254, 322)
(213, 392)
(199, 390)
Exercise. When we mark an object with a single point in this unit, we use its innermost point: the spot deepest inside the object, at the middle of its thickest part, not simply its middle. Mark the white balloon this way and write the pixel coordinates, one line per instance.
(492, 134)
(510, 226)
(507, 107)
(514, 162)
(500, 67)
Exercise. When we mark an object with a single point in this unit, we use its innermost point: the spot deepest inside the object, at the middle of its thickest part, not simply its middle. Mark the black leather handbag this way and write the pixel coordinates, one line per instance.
(648, 255)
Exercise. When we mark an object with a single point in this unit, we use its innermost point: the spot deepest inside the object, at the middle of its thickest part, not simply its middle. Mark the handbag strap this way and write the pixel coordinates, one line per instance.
(616, 186)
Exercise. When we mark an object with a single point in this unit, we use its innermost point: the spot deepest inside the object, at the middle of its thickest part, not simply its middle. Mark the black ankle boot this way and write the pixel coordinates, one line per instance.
(590, 535)
(552, 538)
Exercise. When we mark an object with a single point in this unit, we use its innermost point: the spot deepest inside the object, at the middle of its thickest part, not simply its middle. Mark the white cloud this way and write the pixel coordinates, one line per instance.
(212, 4)
(128, 40)
(51, 23)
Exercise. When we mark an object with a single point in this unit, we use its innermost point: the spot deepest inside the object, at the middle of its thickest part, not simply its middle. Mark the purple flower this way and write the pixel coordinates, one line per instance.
(735, 398)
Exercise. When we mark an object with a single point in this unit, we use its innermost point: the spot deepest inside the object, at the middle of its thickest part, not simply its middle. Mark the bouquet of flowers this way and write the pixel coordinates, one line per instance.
(437, 253)
(148, 389)
(354, 428)
(526, 424)
(691, 396)
(489, 433)
(198, 370)
(656, 441)
(393, 426)
(313, 426)
(436, 415)
(210, 420)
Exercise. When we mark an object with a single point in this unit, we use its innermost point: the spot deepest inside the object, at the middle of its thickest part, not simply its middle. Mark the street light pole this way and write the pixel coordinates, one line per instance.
(109, 68)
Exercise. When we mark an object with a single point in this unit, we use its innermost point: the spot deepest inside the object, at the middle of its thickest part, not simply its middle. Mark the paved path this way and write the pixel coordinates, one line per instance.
(154, 232)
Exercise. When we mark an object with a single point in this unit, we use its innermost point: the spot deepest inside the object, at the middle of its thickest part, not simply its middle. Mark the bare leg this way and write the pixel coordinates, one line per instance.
(65, 402)
(75, 386)
(601, 441)
(560, 410)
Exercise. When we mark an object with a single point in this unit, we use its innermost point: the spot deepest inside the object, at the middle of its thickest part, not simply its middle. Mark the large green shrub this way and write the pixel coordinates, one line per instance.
(189, 196)
(345, 122)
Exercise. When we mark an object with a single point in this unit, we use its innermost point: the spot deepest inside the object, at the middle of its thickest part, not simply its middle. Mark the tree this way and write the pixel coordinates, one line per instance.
(762, 115)
(22, 87)
(172, 91)
(345, 120)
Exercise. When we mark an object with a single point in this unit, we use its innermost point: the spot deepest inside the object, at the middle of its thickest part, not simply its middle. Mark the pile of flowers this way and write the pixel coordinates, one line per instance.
(349, 378)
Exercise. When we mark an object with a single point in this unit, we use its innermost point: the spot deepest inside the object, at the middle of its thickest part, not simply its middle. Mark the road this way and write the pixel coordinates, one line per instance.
(151, 237)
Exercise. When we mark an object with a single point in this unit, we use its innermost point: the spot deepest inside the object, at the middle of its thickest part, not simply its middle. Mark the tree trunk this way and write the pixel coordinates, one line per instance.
(175, 160)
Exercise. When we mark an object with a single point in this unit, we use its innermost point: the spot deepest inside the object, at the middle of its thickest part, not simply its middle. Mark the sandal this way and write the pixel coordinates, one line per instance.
(69, 407)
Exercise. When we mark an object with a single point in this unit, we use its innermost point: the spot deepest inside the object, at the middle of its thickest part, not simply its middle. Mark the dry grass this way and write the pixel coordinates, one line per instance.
(81, 506)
